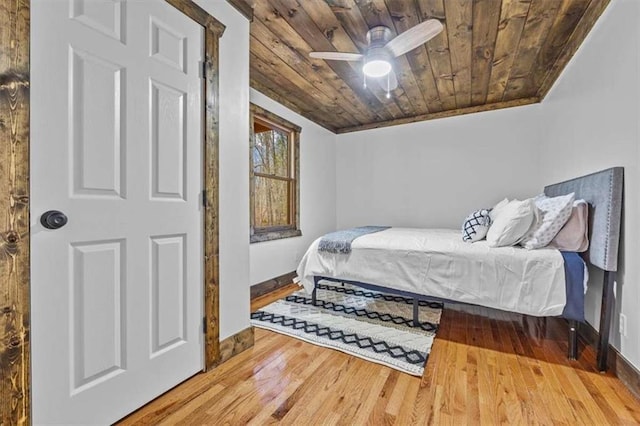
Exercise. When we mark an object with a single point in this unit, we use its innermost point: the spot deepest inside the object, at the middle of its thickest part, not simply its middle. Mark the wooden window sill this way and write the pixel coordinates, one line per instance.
(274, 235)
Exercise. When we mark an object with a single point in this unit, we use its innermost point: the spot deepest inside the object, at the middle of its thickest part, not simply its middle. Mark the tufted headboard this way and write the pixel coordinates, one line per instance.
(603, 191)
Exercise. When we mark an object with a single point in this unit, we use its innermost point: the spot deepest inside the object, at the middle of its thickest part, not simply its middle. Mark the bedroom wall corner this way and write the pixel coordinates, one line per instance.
(234, 167)
(592, 122)
(271, 259)
(434, 173)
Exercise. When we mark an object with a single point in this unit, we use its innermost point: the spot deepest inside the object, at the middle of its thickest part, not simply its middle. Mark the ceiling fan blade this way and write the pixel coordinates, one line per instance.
(388, 84)
(414, 37)
(336, 56)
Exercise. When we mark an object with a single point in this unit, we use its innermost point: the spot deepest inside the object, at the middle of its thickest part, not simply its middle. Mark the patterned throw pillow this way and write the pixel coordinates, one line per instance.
(476, 225)
(555, 212)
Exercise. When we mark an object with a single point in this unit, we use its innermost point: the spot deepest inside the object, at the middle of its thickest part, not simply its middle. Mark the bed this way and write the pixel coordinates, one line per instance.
(435, 264)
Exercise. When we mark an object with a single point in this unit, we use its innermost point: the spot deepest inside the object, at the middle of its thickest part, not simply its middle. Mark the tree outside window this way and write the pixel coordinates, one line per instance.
(274, 176)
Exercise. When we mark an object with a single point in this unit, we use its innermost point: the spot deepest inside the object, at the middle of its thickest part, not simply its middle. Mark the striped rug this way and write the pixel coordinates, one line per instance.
(374, 326)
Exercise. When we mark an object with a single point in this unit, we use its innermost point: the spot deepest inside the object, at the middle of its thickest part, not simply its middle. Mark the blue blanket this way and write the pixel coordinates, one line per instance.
(340, 241)
(574, 277)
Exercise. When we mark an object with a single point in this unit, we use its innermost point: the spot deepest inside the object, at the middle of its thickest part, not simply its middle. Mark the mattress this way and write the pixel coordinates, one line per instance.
(437, 263)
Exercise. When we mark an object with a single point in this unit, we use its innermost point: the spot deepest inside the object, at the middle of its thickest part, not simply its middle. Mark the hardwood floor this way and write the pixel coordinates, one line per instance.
(485, 367)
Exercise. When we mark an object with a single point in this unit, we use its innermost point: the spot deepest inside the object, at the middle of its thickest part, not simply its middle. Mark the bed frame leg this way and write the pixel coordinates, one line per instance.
(315, 290)
(416, 306)
(573, 339)
(606, 313)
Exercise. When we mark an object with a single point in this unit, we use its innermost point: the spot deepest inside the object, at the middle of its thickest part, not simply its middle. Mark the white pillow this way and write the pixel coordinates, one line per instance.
(554, 213)
(495, 211)
(475, 226)
(512, 223)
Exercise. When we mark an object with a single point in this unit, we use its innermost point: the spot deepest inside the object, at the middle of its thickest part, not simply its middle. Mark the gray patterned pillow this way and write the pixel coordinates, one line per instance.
(476, 225)
(555, 212)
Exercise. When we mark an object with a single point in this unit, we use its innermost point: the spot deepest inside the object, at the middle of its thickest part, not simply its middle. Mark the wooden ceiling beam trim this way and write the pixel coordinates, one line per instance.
(344, 37)
(296, 16)
(326, 81)
(459, 18)
(486, 17)
(243, 7)
(565, 22)
(262, 84)
(198, 14)
(322, 101)
(582, 29)
(312, 108)
(512, 19)
(536, 28)
(438, 51)
(442, 114)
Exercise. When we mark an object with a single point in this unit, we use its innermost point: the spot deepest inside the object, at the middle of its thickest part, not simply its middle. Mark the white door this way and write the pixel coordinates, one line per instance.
(116, 146)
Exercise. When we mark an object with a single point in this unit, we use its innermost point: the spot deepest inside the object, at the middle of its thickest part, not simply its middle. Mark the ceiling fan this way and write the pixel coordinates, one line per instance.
(381, 49)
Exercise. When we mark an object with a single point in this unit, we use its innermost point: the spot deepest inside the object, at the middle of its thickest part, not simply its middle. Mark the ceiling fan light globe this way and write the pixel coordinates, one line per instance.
(376, 68)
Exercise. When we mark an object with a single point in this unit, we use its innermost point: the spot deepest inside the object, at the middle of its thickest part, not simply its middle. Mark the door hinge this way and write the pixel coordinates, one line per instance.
(204, 198)
(204, 325)
(204, 70)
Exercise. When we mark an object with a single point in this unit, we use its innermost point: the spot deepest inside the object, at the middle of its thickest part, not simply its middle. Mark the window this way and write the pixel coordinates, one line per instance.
(275, 176)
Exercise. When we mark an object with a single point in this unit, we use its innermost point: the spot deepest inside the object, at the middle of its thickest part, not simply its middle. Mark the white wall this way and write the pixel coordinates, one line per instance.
(234, 167)
(591, 122)
(241, 264)
(434, 173)
(317, 196)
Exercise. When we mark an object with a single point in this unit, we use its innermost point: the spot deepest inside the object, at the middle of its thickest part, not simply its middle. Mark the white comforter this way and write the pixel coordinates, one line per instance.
(436, 262)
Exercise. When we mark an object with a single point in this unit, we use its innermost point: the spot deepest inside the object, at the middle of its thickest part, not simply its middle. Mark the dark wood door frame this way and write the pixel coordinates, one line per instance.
(15, 347)
(213, 30)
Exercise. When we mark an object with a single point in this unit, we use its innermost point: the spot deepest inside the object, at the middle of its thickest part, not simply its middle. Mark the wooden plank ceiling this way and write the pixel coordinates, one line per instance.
(492, 54)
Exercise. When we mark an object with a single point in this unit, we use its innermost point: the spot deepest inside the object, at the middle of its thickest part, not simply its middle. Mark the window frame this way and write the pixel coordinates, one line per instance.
(260, 234)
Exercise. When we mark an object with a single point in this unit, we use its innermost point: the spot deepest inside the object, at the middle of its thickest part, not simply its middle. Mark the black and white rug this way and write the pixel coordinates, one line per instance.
(374, 326)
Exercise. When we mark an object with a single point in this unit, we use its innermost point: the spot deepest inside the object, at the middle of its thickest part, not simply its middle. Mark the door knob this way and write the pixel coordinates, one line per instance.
(53, 219)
